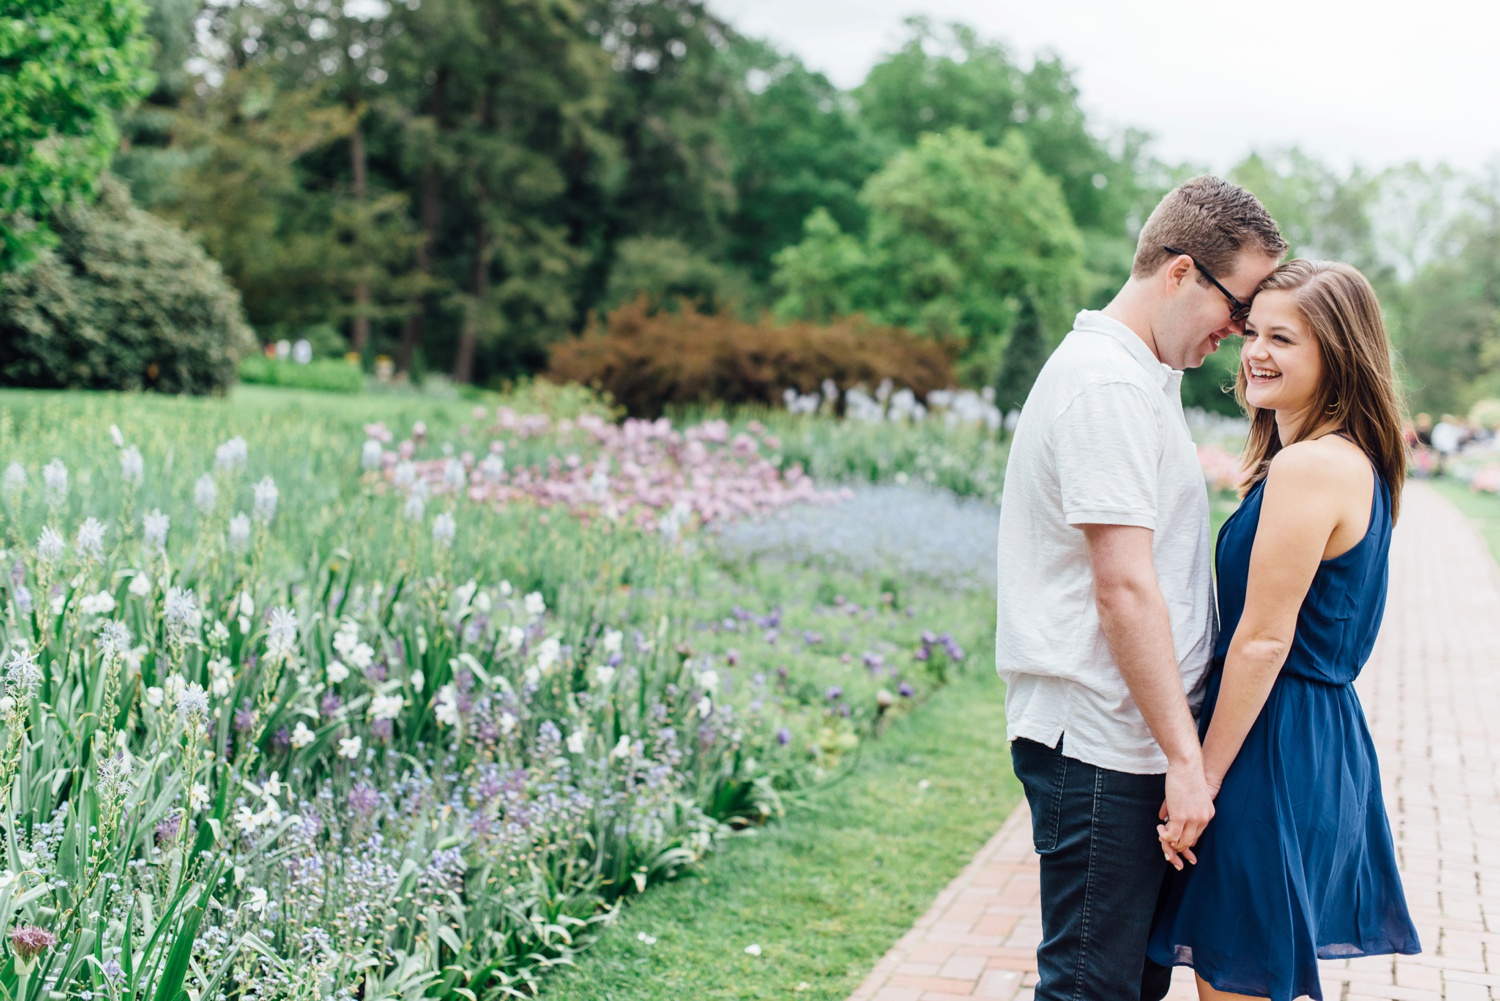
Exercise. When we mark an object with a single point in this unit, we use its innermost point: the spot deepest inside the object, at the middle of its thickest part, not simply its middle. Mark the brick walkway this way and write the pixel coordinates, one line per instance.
(1432, 695)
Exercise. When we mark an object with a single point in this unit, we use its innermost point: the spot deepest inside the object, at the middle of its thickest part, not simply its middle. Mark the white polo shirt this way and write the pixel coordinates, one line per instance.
(1102, 440)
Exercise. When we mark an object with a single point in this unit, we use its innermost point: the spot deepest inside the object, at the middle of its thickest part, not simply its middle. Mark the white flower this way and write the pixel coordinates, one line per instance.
(386, 706)
(548, 654)
(405, 474)
(301, 735)
(271, 814)
(205, 493)
(239, 532)
(362, 656)
(272, 788)
(91, 538)
(507, 723)
(535, 605)
(116, 436)
(220, 677)
(302, 351)
(55, 479)
(576, 741)
(155, 696)
(415, 508)
(443, 530)
(346, 637)
(140, 585)
(233, 454)
(49, 546)
(752, 950)
(175, 686)
(418, 679)
(114, 639)
(281, 637)
(337, 672)
(132, 466)
(15, 478)
(246, 819)
(198, 797)
(515, 636)
(604, 674)
(97, 604)
(258, 900)
(155, 528)
(709, 681)
(6, 705)
(447, 706)
(493, 467)
(182, 615)
(705, 707)
(454, 476)
(371, 454)
(643, 937)
(23, 676)
(349, 747)
(192, 706)
(612, 640)
(266, 496)
(622, 748)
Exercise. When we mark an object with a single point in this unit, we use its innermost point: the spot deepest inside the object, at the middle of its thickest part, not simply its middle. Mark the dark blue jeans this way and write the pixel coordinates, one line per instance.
(1102, 874)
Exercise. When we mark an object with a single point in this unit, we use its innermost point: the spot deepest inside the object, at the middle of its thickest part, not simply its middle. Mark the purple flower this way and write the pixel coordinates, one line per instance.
(874, 661)
(363, 799)
(732, 656)
(783, 736)
(833, 693)
(168, 828)
(30, 941)
(330, 703)
(923, 653)
(282, 738)
(811, 638)
(244, 717)
(382, 729)
(928, 639)
(905, 690)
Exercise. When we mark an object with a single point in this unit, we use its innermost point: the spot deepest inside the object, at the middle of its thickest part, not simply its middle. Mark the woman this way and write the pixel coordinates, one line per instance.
(1298, 863)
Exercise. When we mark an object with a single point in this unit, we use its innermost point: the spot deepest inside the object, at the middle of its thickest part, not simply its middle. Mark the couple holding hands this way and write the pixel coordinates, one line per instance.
(1202, 783)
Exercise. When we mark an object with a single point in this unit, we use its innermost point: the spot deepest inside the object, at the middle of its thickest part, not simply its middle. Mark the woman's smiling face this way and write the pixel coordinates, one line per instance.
(1280, 357)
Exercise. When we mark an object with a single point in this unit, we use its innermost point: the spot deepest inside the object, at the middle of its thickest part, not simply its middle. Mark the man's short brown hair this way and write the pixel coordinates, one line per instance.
(1211, 219)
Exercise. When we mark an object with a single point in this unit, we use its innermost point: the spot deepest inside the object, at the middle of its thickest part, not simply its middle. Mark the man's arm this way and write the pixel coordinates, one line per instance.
(1133, 615)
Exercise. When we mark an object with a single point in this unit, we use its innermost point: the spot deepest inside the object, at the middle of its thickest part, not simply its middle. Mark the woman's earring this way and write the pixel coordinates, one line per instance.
(1335, 408)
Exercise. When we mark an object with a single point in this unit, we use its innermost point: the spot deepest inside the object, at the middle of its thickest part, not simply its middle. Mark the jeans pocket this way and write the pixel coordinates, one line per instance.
(1042, 772)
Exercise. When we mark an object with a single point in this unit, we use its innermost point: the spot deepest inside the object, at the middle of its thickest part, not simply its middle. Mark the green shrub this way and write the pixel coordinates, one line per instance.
(125, 301)
(647, 362)
(328, 374)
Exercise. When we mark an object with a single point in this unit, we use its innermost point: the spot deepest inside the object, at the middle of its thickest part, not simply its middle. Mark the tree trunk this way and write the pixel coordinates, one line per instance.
(360, 332)
(468, 338)
(430, 215)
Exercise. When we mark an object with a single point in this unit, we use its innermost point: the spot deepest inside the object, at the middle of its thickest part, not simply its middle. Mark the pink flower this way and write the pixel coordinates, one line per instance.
(30, 941)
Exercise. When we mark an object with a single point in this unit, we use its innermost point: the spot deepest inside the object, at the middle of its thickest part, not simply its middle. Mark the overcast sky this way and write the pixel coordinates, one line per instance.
(1377, 83)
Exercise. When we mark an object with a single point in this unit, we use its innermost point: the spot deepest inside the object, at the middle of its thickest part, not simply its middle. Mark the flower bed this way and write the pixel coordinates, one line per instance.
(296, 735)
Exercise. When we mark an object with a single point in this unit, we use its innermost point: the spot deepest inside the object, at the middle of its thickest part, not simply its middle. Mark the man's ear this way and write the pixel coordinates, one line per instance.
(1175, 272)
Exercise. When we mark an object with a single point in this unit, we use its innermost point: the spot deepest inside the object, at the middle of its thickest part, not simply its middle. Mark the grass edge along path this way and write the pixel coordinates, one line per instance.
(826, 892)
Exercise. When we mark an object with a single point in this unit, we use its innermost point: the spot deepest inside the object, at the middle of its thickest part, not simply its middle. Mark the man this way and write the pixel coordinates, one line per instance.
(1106, 607)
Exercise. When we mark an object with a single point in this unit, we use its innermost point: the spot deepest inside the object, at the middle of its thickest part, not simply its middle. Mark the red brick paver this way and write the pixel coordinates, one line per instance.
(1432, 695)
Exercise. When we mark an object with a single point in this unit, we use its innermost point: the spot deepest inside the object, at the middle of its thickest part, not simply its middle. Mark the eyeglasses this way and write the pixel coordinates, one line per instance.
(1238, 311)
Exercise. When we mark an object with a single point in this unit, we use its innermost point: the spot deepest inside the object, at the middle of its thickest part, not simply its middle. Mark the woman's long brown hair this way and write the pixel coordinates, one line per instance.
(1358, 391)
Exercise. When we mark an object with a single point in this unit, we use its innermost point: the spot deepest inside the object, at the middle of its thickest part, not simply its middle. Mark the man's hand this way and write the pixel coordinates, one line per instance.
(1188, 809)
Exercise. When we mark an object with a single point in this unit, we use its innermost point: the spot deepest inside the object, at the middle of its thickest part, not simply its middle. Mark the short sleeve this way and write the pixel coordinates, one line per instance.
(1107, 447)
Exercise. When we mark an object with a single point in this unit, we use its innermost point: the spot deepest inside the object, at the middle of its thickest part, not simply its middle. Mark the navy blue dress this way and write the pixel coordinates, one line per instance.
(1298, 862)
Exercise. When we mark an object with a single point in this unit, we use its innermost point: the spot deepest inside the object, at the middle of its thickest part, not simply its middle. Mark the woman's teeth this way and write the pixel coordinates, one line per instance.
(1260, 373)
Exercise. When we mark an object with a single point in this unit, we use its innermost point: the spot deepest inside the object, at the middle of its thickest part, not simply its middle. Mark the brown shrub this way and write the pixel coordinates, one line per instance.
(650, 362)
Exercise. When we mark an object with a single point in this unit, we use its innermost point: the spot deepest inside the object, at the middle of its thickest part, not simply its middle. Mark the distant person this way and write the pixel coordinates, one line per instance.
(1106, 611)
(1298, 863)
(1447, 438)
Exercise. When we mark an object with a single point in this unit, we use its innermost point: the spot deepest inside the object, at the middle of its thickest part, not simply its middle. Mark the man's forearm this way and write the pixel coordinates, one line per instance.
(1139, 632)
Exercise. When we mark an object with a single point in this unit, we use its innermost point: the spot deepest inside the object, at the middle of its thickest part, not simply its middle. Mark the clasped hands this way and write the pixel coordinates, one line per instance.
(1188, 808)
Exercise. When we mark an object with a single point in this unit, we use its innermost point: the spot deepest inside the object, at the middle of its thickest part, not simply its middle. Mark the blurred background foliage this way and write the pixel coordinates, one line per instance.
(460, 184)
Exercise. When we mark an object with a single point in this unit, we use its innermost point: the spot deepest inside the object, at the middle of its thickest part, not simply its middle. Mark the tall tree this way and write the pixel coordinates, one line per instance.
(66, 68)
(961, 235)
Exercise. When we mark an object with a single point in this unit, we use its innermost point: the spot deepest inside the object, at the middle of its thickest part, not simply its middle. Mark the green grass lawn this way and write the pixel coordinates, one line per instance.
(826, 893)
(1480, 508)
